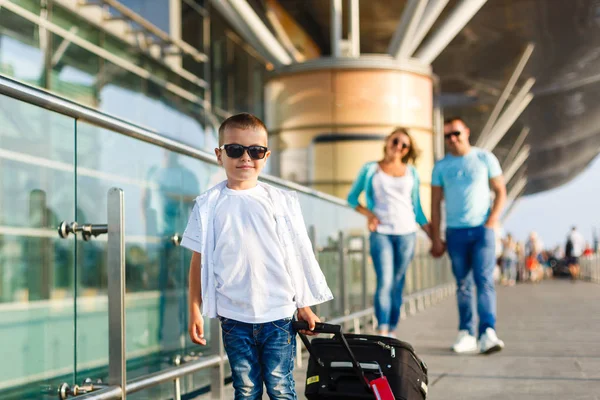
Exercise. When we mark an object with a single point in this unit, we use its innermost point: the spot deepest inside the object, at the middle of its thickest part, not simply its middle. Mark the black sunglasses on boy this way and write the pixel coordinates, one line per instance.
(235, 150)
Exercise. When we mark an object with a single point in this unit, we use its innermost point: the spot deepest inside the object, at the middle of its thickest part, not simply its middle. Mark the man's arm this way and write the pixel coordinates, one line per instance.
(437, 248)
(196, 328)
(499, 188)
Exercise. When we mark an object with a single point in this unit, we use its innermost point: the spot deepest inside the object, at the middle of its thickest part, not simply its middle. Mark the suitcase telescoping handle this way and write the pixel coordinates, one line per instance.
(339, 335)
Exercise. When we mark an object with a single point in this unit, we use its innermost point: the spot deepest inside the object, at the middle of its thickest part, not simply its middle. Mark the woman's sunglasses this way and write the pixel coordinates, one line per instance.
(237, 150)
(396, 141)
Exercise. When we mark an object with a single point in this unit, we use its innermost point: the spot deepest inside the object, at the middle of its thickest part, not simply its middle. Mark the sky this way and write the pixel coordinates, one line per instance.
(552, 213)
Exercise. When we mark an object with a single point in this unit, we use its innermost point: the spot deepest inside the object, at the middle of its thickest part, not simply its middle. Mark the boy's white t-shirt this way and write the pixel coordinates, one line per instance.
(252, 282)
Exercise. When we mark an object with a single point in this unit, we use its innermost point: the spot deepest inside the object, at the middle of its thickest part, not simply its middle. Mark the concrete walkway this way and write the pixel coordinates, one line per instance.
(552, 336)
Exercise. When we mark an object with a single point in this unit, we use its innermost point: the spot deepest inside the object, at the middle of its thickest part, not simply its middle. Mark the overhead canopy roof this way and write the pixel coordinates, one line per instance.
(564, 117)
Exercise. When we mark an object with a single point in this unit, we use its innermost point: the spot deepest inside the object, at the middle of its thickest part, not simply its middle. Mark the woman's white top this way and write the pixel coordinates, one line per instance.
(393, 203)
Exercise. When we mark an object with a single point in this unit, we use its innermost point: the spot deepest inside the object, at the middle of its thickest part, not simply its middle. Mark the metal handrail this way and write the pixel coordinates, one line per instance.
(30, 94)
(147, 381)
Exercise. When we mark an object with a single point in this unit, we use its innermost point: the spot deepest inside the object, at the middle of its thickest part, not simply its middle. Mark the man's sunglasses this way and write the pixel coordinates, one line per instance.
(396, 141)
(237, 150)
(450, 134)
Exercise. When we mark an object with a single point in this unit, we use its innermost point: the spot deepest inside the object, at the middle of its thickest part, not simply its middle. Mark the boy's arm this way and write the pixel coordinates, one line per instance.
(196, 328)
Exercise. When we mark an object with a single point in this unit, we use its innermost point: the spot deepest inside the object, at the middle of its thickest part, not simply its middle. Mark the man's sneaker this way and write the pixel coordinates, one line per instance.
(489, 342)
(465, 342)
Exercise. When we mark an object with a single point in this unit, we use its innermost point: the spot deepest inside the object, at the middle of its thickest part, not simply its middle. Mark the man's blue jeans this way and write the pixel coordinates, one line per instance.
(391, 256)
(473, 255)
(261, 353)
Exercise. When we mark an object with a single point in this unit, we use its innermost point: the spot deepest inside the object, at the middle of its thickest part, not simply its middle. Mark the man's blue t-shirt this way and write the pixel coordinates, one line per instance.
(465, 182)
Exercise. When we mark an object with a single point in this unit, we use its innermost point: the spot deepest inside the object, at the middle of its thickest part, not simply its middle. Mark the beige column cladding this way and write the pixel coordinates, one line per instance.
(327, 117)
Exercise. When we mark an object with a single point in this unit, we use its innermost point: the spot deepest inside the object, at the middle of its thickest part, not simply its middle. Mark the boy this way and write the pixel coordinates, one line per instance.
(252, 265)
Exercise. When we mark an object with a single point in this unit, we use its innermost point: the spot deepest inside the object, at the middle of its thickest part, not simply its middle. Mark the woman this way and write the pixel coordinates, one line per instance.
(509, 261)
(393, 211)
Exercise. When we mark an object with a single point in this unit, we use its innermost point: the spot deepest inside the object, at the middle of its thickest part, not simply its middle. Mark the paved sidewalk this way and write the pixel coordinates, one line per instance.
(552, 336)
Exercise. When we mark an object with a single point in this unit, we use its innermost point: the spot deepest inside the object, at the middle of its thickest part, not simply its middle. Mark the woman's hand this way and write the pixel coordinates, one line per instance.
(372, 222)
(427, 229)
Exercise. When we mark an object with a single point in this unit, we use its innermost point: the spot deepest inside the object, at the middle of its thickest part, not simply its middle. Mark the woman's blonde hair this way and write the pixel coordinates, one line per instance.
(413, 152)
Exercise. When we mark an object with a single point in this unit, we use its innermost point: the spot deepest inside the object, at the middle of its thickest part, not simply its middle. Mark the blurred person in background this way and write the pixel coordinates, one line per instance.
(509, 261)
(573, 250)
(533, 249)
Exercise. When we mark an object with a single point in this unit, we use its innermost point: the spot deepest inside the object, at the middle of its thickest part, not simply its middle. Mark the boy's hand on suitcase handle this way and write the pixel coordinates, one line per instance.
(307, 315)
(196, 329)
(320, 327)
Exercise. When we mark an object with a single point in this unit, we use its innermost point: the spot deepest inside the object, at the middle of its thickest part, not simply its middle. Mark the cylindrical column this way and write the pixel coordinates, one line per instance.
(327, 117)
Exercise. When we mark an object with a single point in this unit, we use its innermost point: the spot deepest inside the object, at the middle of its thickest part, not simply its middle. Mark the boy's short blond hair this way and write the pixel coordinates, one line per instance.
(241, 121)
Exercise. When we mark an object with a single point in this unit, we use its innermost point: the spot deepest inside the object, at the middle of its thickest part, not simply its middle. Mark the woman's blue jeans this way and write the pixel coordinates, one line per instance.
(391, 256)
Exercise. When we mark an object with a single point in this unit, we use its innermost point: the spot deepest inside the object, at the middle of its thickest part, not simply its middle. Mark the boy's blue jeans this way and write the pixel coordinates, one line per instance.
(391, 256)
(473, 255)
(261, 353)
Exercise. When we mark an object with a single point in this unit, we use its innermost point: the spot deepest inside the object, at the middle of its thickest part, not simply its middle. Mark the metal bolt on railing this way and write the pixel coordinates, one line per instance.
(86, 230)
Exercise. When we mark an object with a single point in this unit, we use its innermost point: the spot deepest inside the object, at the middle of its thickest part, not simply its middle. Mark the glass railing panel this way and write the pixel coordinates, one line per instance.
(37, 187)
(159, 188)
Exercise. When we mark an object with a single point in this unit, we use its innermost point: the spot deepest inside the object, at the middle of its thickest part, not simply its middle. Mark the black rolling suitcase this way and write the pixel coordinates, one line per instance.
(333, 374)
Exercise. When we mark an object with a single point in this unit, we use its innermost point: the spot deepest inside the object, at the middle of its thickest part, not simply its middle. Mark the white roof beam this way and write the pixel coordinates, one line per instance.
(430, 15)
(512, 204)
(512, 153)
(241, 15)
(456, 21)
(508, 89)
(516, 163)
(403, 36)
(517, 188)
(283, 37)
(508, 117)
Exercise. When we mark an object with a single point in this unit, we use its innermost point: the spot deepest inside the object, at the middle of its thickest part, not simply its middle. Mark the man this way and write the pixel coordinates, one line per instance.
(574, 250)
(464, 179)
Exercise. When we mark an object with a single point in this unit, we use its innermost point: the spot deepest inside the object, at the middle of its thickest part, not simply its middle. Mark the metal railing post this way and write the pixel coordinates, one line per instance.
(312, 234)
(217, 373)
(365, 258)
(343, 276)
(117, 369)
(177, 389)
